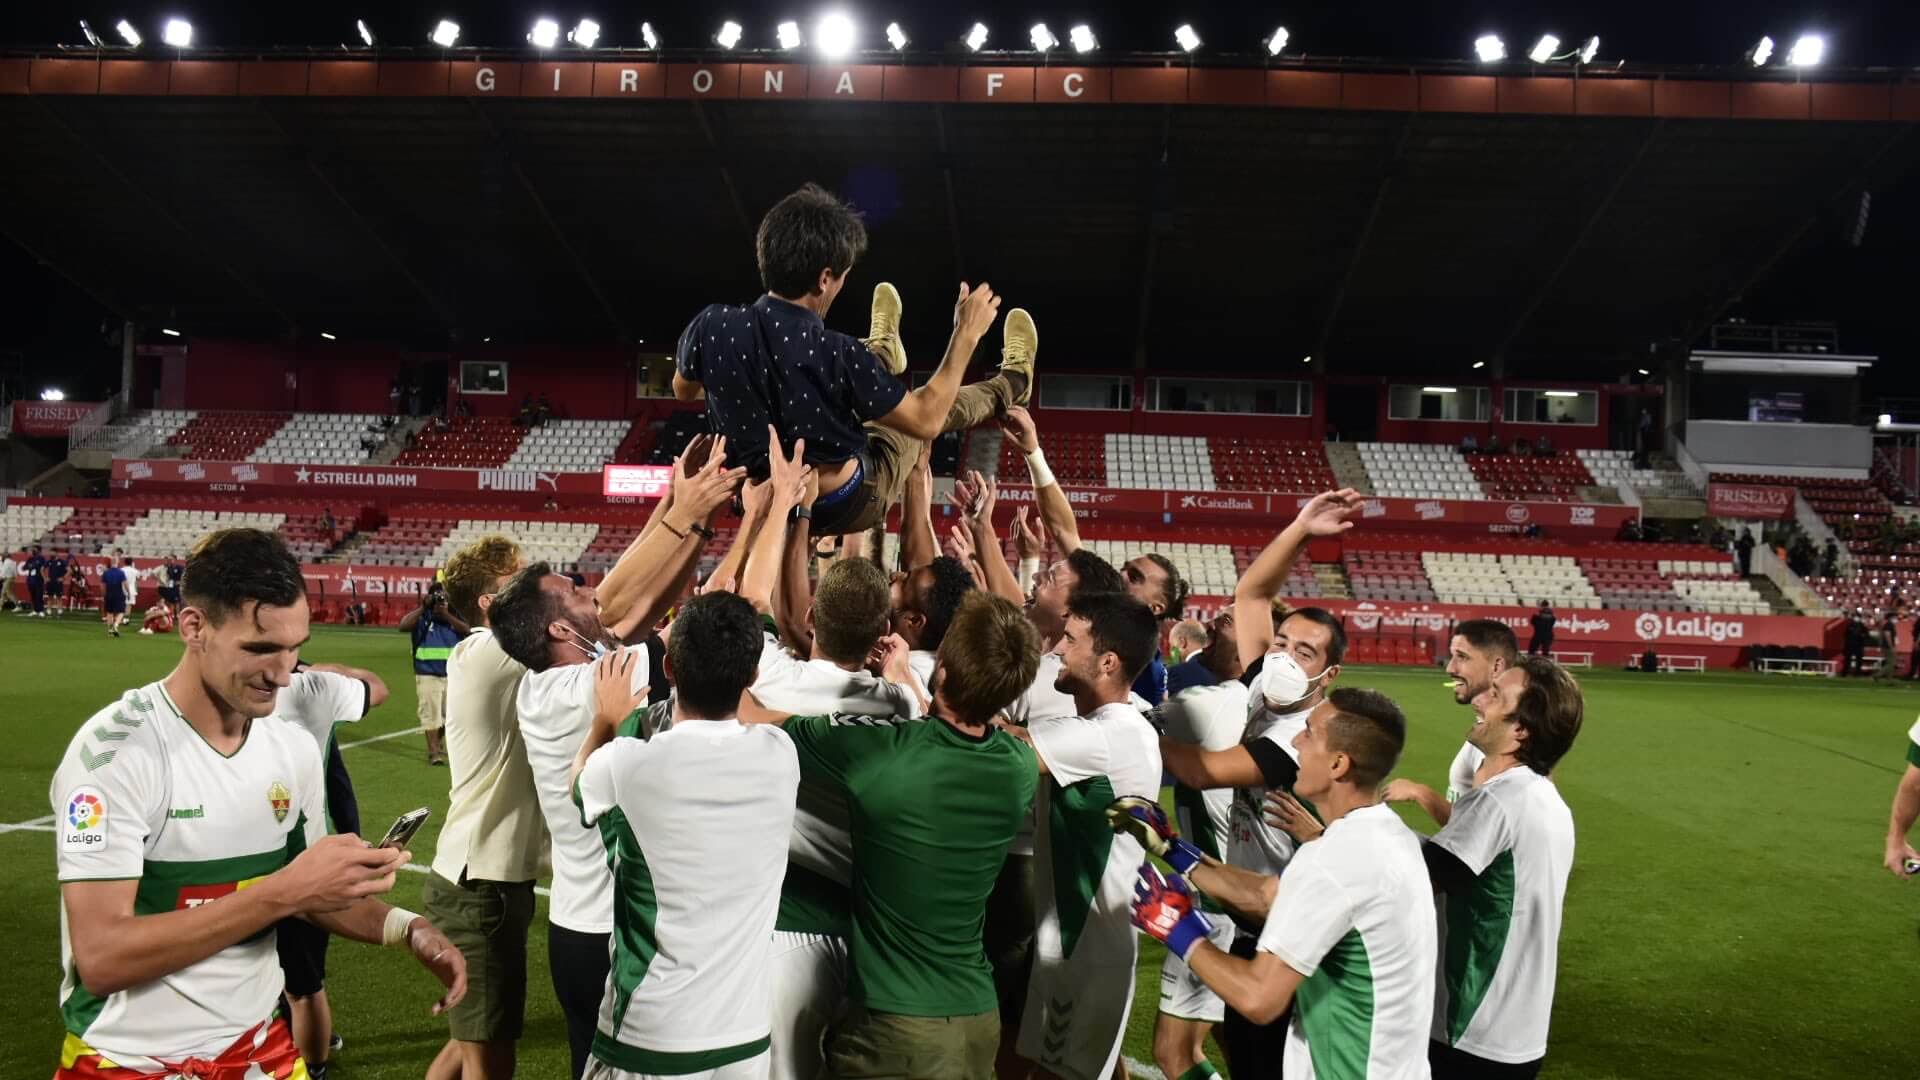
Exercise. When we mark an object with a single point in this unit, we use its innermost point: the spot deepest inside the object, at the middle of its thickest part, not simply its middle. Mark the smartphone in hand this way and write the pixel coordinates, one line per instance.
(404, 827)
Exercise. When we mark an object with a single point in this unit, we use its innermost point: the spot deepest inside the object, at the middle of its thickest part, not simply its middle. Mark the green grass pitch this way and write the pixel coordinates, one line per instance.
(1727, 915)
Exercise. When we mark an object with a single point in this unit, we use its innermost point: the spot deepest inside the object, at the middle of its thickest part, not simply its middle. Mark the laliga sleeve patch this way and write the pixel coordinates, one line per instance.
(83, 823)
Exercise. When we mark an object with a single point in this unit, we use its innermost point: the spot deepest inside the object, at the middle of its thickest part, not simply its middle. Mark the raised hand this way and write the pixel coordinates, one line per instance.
(1163, 907)
(754, 498)
(1326, 513)
(1018, 425)
(786, 473)
(890, 660)
(975, 310)
(701, 492)
(1026, 539)
(985, 493)
(1146, 821)
(338, 872)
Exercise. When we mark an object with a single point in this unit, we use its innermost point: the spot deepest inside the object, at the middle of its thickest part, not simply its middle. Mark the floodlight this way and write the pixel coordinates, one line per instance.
(647, 36)
(366, 35)
(1042, 37)
(1643, 371)
(1489, 48)
(1439, 390)
(1590, 50)
(178, 33)
(1886, 418)
(788, 34)
(1807, 51)
(1277, 42)
(1184, 37)
(584, 33)
(1543, 49)
(729, 35)
(1082, 38)
(1308, 359)
(896, 37)
(976, 37)
(445, 34)
(1478, 364)
(835, 34)
(1761, 53)
(328, 336)
(545, 34)
(169, 331)
(53, 394)
(93, 39)
(1562, 393)
(128, 34)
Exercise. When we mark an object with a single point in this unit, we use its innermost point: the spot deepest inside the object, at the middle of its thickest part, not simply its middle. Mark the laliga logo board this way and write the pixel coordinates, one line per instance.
(84, 827)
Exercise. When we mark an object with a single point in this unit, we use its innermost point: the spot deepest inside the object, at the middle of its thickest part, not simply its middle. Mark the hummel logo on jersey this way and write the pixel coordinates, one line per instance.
(179, 812)
(282, 800)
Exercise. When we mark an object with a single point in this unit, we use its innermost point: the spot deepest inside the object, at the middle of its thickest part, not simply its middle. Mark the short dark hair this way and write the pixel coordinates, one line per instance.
(1370, 729)
(1120, 625)
(850, 606)
(1094, 574)
(1549, 711)
(520, 614)
(714, 650)
(1490, 636)
(231, 568)
(808, 231)
(940, 600)
(1336, 630)
(1175, 588)
(989, 657)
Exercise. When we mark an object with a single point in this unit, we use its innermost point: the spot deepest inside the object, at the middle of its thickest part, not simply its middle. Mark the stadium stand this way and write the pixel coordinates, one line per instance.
(137, 432)
(1388, 575)
(171, 531)
(1419, 471)
(99, 525)
(319, 439)
(569, 446)
(1537, 478)
(465, 442)
(226, 436)
(1461, 577)
(1269, 465)
(405, 540)
(1078, 459)
(1843, 503)
(1612, 467)
(1155, 462)
(1874, 590)
(24, 526)
(558, 542)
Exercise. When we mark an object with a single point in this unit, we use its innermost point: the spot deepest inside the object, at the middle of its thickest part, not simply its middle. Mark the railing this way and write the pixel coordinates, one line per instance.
(1820, 532)
(1689, 464)
(1768, 565)
(1630, 497)
(90, 424)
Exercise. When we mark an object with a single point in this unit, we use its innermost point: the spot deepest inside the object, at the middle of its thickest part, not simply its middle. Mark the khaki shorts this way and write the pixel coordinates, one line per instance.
(431, 690)
(487, 921)
(875, 1045)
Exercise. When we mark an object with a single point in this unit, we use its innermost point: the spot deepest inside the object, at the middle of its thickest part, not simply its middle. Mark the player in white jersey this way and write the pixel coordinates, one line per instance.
(1349, 939)
(696, 822)
(321, 697)
(190, 821)
(1480, 652)
(1081, 989)
(1901, 859)
(1501, 864)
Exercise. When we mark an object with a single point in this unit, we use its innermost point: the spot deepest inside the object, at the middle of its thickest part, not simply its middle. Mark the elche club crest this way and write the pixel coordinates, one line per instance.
(282, 800)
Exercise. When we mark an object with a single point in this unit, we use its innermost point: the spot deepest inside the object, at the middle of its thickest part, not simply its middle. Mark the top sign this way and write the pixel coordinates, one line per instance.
(644, 481)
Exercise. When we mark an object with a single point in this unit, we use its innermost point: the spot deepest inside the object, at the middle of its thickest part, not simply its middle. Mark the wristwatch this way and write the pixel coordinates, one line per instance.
(803, 512)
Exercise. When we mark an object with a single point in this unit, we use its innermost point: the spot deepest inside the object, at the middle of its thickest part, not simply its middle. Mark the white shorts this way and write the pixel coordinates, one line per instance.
(1182, 995)
(753, 1068)
(809, 984)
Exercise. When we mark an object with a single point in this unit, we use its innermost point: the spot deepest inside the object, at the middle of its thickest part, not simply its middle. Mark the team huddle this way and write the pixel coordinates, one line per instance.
(820, 819)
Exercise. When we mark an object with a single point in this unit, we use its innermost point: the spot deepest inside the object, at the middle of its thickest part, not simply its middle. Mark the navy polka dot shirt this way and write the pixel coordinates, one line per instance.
(775, 363)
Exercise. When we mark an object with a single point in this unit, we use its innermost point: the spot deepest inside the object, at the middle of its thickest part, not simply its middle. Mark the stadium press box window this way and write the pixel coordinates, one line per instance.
(1086, 392)
(1266, 397)
(1553, 407)
(1463, 403)
(483, 377)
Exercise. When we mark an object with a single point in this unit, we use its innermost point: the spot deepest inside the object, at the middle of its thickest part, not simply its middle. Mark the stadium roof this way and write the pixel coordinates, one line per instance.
(1212, 218)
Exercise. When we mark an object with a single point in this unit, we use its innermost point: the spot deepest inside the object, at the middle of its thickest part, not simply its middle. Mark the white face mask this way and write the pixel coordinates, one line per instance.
(594, 650)
(1283, 682)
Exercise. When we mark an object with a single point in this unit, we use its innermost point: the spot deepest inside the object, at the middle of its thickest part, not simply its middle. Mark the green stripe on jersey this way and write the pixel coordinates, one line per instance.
(81, 1008)
(1477, 925)
(1080, 837)
(166, 885)
(1196, 824)
(636, 912)
(1913, 753)
(1336, 1011)
(633, 1059)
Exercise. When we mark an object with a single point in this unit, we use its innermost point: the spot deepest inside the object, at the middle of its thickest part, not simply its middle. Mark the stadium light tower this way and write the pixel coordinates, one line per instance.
(169, 331)
(445, 34)
(976, 37)
(896, 37)
(1042, 38)
(648, 37)
(1082, 38)
(1489, 48)
(545, 34)
(177, 33)
(1761, 53)
(366, 35)
(729, 35)
(584, 33)
(1590, 50)
(53, 393)
(127, 33)
(1543, 49)
(836, 35)
(1808, 51)
(1184, 37)
(1278, 42)
(787, 34)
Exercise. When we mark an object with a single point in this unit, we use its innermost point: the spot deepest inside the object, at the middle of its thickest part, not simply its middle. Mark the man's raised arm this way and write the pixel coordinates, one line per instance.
(1056, 513)
(1324, 515)
(923, 412)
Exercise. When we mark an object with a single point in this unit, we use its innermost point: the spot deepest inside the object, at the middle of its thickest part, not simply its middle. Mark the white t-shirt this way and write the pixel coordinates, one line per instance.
(139, 794)
(696, 821)
(1252, 844)
(9, 569)
(1502, 942)
(1354, 914)
(1040, 702)
(316, 700)
(1460, 773)
(821, 841)
(1212, 718)
(922, 662)
(555, 708)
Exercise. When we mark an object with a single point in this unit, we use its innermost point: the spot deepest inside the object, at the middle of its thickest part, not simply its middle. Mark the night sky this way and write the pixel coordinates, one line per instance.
(51, 333)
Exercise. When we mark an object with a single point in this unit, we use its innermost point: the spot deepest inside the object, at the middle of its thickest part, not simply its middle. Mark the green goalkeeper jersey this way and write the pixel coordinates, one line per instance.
(932, 813)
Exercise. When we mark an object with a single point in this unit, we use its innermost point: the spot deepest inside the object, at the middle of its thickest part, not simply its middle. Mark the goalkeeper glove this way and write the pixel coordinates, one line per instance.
(1145, 821)
(1163, 907)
